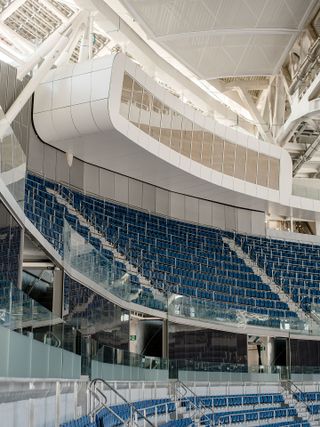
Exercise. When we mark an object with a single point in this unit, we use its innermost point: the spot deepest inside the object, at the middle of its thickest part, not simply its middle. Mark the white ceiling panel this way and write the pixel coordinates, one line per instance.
(224, 38)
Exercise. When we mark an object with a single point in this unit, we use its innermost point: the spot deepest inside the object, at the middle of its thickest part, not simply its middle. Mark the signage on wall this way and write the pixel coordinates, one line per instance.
(133, 337)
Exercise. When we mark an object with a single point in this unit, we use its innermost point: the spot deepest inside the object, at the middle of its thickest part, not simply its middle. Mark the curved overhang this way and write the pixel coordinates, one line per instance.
(77, 110)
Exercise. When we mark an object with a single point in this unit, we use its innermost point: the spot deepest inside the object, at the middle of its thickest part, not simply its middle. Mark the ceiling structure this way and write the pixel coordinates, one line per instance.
(224, 38)
(243, 61)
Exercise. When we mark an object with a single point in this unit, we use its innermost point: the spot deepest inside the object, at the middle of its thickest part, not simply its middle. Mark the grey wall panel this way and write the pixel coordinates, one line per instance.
(205, 215)
(162, 201)
(149, 197)
(107, 184)
(121, 188)
(177, 205)
(62, 168)
(36, 154)
(258, 223)
(10, 88)
(191, 209)
(135, 193)
(91, 179)
(218, 216)
(4, 70)
(76, 173)
(126, 190)
(231, 219)
(49, 162)
(243, 221)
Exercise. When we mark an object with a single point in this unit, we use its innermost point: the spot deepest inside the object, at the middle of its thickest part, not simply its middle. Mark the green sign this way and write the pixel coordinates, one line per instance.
(133, 337)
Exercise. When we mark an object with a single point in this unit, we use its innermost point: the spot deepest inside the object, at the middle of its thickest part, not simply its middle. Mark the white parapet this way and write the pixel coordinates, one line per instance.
(82, 108)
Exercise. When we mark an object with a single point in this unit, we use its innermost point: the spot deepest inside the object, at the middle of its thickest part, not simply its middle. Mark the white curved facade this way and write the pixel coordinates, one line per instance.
(77, 108)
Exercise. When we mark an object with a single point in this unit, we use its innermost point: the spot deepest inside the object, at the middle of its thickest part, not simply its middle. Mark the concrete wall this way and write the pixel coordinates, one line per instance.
(52, 163)
(10, 88)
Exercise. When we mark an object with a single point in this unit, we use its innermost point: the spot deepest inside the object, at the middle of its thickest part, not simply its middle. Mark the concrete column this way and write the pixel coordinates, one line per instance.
(57, 298)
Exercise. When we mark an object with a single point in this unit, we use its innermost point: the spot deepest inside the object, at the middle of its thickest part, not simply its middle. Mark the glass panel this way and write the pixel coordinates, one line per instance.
(189, 139)
(155, 119)
(196, 147)
(10, 247)
(240, 163)
(176, 131)
(106, 359)
(263, 173)
(207, 148)
(187, 127)
(145, 111)
(89, 261)
(165, 136)
(229, 158)
(252, 163)
(274, 165)
(135, 108)
(126, 96)
(218, 154)
(191, 307)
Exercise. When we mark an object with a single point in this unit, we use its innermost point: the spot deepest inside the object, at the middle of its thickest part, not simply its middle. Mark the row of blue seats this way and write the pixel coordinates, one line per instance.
(234, 400)
(149, 408)
(307, 396)
(181, 422)
(80, 422)
(286, 245)
(241, 416)
(287, 424)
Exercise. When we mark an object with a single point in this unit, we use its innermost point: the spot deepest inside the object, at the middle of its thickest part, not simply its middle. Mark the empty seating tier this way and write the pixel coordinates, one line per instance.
(293, 266)
(175, 256)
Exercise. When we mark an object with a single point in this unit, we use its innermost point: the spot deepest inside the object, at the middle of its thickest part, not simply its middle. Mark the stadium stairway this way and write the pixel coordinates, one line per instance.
(293, 396)
(131, 269)
(284, 297)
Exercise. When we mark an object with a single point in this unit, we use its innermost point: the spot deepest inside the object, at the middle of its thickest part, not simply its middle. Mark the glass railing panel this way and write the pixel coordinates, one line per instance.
(109, 273)
(118, 364)
(12, 161)
(18, 311)
(193, 308)
(106, 272)
(37, 343)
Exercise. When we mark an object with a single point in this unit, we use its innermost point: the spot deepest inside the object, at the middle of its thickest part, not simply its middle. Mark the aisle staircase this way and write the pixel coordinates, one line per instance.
(283, 296)
(288, 391)
(130, 268)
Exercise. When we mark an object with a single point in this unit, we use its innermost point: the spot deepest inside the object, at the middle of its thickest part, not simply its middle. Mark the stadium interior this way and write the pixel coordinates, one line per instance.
(159, 213)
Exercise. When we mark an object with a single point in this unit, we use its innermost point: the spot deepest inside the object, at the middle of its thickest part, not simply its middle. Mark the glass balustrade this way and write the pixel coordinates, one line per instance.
(36, 343)
(112, 276)
(12, 161)
(109, 273)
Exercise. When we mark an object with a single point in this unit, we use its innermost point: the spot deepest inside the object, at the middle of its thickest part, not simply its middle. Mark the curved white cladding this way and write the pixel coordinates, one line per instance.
(73, 101)
(77, 108)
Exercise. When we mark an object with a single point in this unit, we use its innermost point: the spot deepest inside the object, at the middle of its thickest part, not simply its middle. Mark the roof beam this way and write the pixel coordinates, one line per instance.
(21, 42)
(259, 122)
(306, 155)
(9, 10)
(228, 31)
(11, 53)
(40, 73)
(76, 21)
(247, 84)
